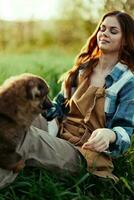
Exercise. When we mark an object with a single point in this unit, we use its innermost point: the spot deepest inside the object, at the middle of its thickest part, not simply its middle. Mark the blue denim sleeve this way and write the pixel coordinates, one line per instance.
(123, 121)
(58, 108)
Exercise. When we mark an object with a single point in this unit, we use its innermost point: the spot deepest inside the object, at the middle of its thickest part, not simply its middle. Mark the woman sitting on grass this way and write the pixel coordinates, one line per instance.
(95, 107)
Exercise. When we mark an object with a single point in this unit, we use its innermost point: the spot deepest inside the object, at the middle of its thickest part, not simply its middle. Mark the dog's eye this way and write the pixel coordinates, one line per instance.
(40, 87)
(37, 95)
(43, 89)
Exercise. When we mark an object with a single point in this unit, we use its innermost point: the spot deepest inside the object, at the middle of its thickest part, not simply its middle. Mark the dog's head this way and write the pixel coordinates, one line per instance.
(25, 93)
(37, 91)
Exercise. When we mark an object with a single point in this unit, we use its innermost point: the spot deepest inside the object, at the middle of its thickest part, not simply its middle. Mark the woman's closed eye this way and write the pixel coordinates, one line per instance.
(112, 30)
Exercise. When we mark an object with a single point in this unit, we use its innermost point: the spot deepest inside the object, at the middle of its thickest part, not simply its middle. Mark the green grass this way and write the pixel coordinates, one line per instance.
(50, 64)
(39, 184)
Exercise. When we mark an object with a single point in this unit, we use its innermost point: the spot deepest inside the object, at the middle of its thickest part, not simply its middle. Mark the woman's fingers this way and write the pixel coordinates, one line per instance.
(101, 146)
(97, 142)
(93, 145)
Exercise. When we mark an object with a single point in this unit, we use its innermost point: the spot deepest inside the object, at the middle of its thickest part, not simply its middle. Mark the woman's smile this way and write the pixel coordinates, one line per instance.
(104, 41)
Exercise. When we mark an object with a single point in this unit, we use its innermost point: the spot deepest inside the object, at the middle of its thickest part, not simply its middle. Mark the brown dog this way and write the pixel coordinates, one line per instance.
(22, 99)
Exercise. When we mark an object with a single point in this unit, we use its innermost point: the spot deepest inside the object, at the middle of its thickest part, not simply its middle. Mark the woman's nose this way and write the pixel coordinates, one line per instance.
(105, 33)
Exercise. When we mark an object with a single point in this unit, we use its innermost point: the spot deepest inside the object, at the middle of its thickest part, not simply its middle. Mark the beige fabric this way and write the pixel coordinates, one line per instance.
(86, 115)
(40, 149)
(40, 123)
(48, 151)
(51, 127)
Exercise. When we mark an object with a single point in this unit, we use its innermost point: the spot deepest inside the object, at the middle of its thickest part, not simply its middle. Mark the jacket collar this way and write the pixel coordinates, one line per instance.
(118, 70)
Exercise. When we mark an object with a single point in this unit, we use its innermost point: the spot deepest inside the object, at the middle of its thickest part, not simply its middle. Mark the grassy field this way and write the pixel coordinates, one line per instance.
(39, 184)
(50, 64)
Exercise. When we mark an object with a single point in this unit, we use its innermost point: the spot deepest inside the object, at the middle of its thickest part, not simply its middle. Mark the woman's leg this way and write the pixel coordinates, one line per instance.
(51, 127)
(41, 123)
(43, 150)
(6, 177)
(40, 149)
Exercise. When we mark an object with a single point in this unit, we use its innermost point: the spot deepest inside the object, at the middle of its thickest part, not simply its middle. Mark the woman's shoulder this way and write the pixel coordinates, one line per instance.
(123, 74)
(123, 82)
(129, 77)
(129, 82)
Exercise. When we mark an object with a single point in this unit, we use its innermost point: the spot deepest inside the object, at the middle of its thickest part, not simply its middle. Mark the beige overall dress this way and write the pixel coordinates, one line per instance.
(86, 115)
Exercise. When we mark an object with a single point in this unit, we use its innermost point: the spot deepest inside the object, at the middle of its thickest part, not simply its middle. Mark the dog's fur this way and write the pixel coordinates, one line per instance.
(21, 100)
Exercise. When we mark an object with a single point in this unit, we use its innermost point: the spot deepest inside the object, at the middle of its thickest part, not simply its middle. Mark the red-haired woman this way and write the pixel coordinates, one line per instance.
(95, 107)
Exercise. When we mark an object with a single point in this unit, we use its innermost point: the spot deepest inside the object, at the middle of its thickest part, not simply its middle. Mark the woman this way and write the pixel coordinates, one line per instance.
(94, 108)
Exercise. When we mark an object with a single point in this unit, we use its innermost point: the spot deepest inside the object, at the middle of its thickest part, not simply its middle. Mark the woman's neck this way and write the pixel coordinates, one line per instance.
(107, 61)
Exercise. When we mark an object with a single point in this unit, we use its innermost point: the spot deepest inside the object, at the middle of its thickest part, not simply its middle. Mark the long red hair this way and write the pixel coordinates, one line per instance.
(90, 52)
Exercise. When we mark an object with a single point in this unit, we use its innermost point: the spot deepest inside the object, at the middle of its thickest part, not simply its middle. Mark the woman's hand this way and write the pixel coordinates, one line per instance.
(100, 140)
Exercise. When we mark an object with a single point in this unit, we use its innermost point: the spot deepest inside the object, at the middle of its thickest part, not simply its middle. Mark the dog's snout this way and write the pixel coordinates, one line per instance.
(47, 103)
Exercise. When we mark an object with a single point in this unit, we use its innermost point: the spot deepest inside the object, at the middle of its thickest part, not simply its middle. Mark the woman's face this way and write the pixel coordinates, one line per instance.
(109, 37)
